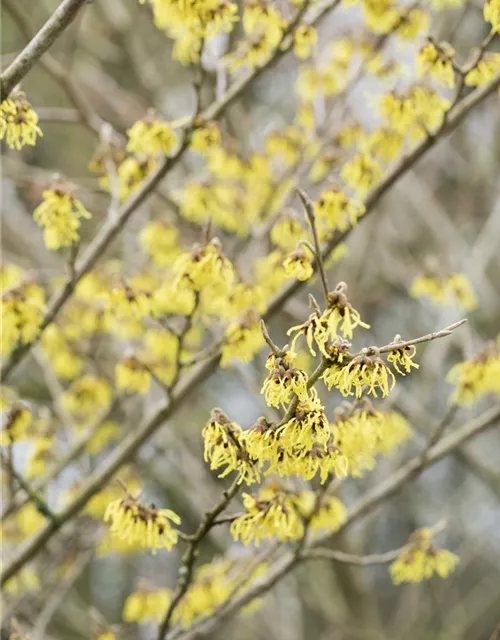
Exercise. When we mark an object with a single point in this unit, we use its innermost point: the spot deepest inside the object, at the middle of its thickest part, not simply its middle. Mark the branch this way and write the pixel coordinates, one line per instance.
(187, 567)
(45, 38)
(39, 503)
(394, 346)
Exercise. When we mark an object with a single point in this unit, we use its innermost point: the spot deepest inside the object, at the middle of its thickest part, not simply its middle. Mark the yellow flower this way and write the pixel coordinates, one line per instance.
(491, 12)
(144, 526)
(242, 339)
(105, 433)
(86, 396)
(485, 70)
(412, 23)
(361, 172)
(10, 276)
(315, 329)
(132, 375)
(59, 215)
(422, 560)
(298, 265)
(304, 41)
(150, 137)
(106, 635)
(18, 121)
(475, 378)
(225, 446)
(403, 358)
(259, 16)
(335, 211)
(205, 267)
(287, 231)
(428, 109)
(124, 302)
(205, 138)
(159, 241)
(267, 518)
(383, 143)
(397, 111)
(330, 513)
(362, 370)
(131, 173)
(287, 144)
(307, 427)
(211, 586)
(459, 286)
(283, 383)
(147, 605)
(16, 425)
(22, 314)
(364, 433)
(341, 315)
(453, 288)
(326, 460)
(380, 15)
(438, 62)
(66, 362)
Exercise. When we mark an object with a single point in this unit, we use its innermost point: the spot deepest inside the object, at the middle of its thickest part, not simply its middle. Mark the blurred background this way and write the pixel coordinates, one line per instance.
(444, 212)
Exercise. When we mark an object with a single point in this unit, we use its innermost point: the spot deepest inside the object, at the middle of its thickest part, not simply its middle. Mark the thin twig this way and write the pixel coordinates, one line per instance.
(37, 500)
(309, 209)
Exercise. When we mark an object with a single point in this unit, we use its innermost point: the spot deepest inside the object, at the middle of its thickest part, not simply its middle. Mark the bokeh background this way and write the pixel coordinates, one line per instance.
(445, 211)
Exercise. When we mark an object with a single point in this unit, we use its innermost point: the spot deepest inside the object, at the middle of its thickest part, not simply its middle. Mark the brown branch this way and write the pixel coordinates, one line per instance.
(62, 17)
(187, 567)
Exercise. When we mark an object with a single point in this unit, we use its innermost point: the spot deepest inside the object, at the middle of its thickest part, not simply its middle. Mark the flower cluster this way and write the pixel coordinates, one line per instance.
(23, 310)
(190, 23)
(59, 215)
(133, 375)
(453, 289)
(362, 371)
(416, 112)
(338, 321)
(17, 421)
(142, 526)
(284, 381)
(362, 433)
(485, 70)
(491, 12)
(422, 560)
(18, 121)
(438, 62)
(150, 137)
(225, 446)
(147, 604)
(334, 210)
(242, 339)
(475, 378)
(87, 395)
(279, 513)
